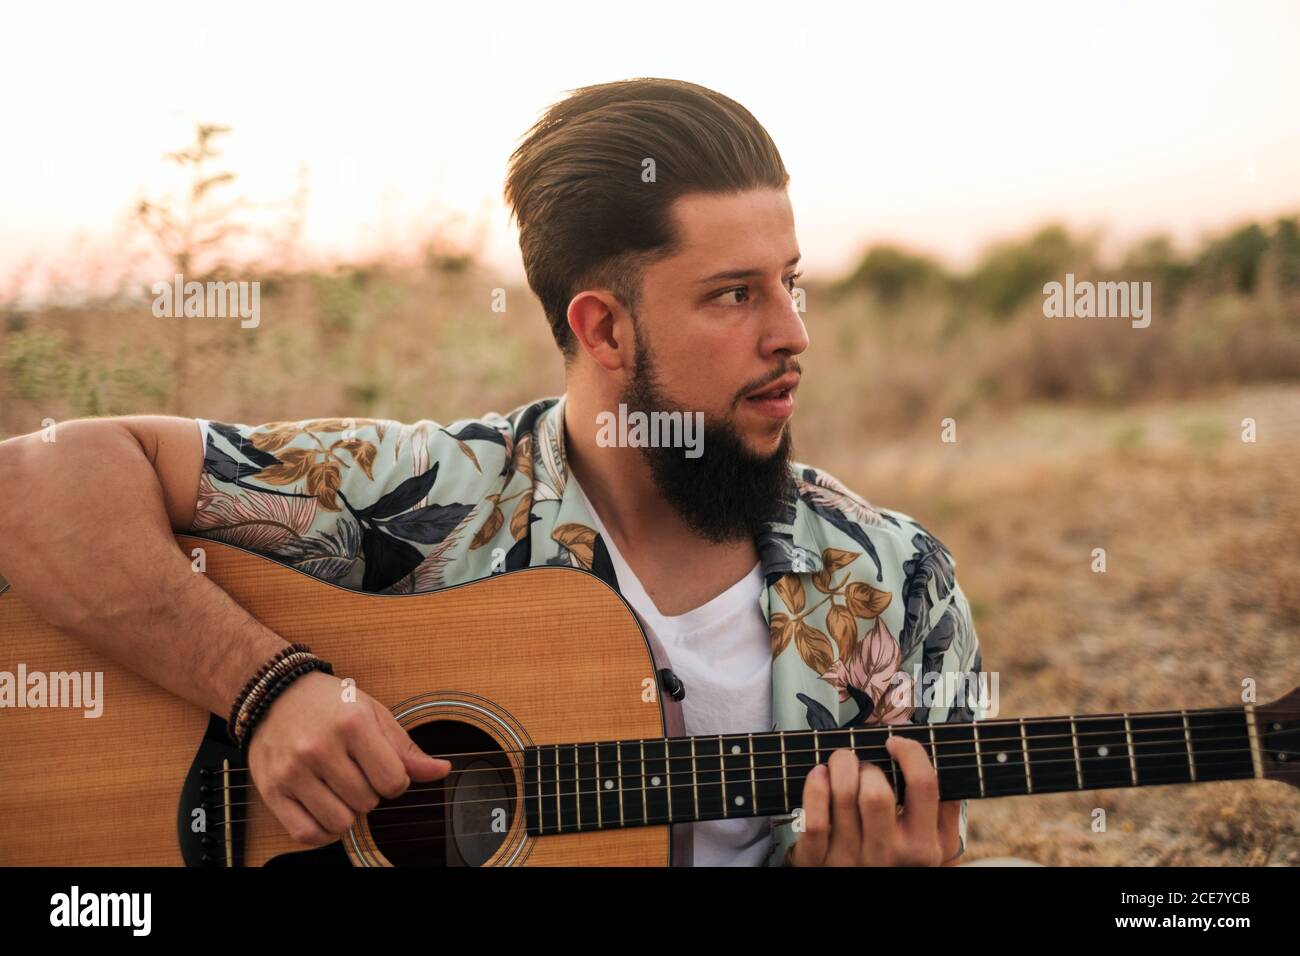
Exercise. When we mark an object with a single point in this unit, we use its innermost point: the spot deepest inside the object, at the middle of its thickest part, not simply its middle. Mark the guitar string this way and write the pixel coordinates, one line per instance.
(1001, 722)
(919, 729)
(785, 777)
(945, 765)
(573, 828)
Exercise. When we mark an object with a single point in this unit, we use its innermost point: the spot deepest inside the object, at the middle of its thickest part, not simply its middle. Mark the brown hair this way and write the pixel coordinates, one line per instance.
(587, 219)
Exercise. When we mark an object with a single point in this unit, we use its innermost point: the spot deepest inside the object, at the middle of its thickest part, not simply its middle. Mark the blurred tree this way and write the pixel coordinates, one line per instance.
(1234, 260)
(1155, 260)
(892, 273)
(1013, 272)
(1284, 250)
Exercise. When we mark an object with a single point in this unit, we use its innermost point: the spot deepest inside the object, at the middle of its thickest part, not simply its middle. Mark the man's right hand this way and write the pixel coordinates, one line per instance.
(323, 753)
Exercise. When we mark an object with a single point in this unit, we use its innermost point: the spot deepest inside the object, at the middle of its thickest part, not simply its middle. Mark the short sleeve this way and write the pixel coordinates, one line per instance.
(358, 502)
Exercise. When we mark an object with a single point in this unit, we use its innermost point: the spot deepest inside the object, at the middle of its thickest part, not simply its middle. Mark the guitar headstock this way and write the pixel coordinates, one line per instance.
(1278, 726)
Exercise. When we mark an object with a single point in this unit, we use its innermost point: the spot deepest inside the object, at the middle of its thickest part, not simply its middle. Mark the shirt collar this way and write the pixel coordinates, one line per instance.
(792, 543)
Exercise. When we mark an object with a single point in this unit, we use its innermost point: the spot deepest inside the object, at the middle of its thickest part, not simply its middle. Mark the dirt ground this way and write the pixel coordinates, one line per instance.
(1201, 593)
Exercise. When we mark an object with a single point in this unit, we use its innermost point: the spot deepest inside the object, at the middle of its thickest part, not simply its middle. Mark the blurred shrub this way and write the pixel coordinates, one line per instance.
(892, 273)
(1233, 261)
(33, 362)
(1011, 273)
(1284, 253)
(1156, 261)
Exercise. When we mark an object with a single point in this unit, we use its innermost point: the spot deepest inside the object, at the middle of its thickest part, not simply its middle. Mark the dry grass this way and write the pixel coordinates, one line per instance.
(1203, 582)
(1201, 591)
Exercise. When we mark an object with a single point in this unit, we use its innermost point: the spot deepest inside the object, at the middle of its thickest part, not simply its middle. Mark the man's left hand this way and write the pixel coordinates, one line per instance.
(851, 818)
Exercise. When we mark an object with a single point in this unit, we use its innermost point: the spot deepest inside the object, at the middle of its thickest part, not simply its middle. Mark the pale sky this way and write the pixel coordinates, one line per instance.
(940, 125)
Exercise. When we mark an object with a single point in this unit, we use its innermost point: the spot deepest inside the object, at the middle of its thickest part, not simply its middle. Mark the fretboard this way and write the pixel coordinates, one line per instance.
(598, 785)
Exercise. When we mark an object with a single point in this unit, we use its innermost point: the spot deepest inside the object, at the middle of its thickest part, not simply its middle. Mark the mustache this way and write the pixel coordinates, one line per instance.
(752, 387)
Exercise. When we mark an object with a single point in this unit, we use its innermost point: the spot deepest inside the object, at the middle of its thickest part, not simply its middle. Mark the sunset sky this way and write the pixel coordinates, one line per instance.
(938, 125)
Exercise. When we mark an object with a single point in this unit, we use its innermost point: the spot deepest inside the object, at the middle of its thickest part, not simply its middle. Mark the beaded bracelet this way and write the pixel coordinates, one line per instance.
(264, 704)
(255, 680)
(281, 667)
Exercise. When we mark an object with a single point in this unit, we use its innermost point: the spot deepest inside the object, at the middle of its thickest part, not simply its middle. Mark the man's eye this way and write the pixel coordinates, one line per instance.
(744, 290)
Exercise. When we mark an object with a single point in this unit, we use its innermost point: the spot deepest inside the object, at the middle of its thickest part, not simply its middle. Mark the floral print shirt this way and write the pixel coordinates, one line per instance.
(859, 599)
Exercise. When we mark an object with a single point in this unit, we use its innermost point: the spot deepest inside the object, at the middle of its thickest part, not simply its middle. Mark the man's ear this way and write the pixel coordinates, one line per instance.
(603, 329)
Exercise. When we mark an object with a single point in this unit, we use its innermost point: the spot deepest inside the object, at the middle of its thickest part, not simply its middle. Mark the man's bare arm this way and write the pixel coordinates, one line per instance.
(86, 526)
(88, 521)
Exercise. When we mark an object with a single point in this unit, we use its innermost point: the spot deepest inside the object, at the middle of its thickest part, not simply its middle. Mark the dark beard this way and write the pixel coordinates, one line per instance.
(727, 493)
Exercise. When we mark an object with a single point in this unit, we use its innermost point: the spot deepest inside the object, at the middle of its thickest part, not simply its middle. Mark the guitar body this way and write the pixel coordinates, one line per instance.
(543, 655)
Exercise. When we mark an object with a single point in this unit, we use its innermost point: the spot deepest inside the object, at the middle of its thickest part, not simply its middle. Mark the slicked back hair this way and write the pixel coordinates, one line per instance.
(593, 212)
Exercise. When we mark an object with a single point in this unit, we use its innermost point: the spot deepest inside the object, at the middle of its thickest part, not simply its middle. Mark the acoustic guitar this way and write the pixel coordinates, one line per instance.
(541, 688)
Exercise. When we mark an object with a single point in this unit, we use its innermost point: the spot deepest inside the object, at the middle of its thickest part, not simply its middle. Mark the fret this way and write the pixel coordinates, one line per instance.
(1161, 749)
(921, 733)
(1001, 758)
(618, 772)
(817, 749)
(829, 741)
(738, 775)
(934, 753)
(1024, 749)
(566, 791)
(695, 780)
(955, 756)
(768, 755)
(588, 787)
(1103, 751)
(1078, 763)
(979, 764)
(1255, 761)
(833, 740)
(1221, 744)
(1128, 738)
(656, 781)
(1187, 735)
(609, 790)
(710, 787)
(753, 777)
(785, 779)
(631, 775)
(1052, 757)
(800, 759)
(726, 804)
(681, 779)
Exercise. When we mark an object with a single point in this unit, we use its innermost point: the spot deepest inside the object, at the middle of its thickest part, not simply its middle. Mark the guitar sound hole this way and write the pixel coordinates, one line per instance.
(459, 820)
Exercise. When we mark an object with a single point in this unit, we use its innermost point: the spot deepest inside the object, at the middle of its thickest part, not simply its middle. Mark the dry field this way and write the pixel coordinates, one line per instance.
(1135, 455)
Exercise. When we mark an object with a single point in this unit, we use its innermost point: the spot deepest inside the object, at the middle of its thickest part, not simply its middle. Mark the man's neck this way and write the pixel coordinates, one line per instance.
(616, 480)
(647, 530)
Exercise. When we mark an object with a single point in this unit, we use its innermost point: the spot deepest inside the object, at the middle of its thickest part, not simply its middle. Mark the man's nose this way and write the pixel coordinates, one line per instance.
(784, 329)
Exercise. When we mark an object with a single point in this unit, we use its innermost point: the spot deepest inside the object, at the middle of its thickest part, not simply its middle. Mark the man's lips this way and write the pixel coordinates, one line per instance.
(778, 389)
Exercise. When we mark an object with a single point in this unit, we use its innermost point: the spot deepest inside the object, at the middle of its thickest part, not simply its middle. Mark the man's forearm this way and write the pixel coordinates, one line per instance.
(86, 539)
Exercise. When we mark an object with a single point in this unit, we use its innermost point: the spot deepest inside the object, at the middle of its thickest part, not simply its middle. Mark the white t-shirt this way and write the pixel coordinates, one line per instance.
(722, 652)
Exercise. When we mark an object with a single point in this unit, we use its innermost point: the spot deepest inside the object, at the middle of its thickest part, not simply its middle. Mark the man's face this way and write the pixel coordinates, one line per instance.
(709, 343)
(720, 317)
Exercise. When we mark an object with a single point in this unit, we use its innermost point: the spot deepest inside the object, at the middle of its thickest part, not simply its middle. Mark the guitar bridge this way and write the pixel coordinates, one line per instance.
(209, 824)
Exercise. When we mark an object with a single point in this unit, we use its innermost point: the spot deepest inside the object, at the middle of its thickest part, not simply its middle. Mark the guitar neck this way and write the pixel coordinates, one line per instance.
(599, 785)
